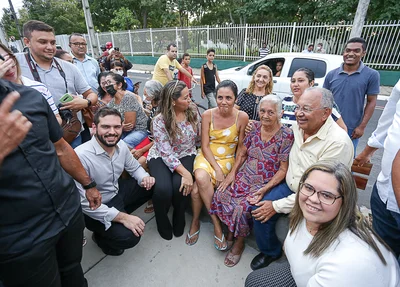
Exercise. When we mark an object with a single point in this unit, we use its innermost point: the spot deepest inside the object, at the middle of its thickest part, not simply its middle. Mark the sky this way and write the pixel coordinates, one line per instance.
(4, 4)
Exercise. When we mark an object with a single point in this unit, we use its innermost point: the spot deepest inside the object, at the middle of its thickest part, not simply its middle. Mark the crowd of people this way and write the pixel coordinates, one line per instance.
(80, 148)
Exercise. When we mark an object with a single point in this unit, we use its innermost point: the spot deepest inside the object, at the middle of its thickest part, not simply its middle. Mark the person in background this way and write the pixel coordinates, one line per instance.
(118, 68)
(104, 96)
(320, 49)
(329, 242)
(64, 55)
(310, 49)
(279, 66)
(264, 50)
(88, 66)
(209, 74)
(253, 176)
(11, 71)
(133, 115)
(170, 159)
(166, 64)
(261, 84)
(351, 84)
(301, 80)
(116, 56)
(222, 130)
(183, 77)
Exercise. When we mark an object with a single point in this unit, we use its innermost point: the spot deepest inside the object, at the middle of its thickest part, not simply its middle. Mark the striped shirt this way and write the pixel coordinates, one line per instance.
(263, 52)
(40, 87)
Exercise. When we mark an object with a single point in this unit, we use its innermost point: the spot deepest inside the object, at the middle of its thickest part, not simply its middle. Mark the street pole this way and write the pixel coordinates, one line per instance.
(16, 19)
(3, 35)
(90, 28)
(359, 18)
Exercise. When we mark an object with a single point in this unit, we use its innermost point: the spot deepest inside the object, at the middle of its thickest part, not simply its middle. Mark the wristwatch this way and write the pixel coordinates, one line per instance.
(90, 185)
(89, 102)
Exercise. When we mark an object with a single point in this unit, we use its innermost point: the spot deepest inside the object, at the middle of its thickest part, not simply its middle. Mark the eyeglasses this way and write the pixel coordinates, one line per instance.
(324, 196)
(109, 83)
(306, 110)
(79, 44)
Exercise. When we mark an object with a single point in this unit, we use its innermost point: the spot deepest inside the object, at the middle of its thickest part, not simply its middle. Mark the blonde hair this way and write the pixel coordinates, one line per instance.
(171, 92)
(349, 217)
(11, 54)
(268, 87)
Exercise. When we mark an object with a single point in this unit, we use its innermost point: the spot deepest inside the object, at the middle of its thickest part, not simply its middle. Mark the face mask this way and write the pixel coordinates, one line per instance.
(110, 89)
(119, 72)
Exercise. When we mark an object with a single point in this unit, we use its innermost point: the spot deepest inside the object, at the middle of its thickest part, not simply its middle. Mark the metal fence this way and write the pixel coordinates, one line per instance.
(242, 42)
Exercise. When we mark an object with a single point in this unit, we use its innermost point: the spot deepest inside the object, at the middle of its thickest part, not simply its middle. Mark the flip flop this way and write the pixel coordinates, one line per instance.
(233, 258)
(223, 248)
(149, 208)
(188, 237)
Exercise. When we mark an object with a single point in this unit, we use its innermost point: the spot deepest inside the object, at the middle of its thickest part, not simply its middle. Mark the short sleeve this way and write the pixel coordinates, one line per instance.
(327, 81)
(373, 84)
(163, 62)
(286, 145)
(241, 97)
(177, 65)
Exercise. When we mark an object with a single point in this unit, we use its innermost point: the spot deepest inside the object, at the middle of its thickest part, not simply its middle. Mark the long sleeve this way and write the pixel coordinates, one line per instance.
(132, 166)
(378, 137)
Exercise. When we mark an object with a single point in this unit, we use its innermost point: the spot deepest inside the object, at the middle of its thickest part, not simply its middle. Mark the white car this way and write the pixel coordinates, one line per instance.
(320, 64)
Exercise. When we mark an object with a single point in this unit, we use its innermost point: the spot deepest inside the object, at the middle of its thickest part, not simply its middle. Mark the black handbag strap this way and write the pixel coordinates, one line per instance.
(35, 72)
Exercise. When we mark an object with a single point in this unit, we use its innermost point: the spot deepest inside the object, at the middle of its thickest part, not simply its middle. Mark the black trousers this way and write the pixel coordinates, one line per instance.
(166, 193)
(55, 262)
(130, 197)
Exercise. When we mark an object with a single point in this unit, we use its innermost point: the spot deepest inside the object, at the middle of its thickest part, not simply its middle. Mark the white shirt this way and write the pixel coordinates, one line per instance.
(106, 172)
(387, 135)
(349, 261)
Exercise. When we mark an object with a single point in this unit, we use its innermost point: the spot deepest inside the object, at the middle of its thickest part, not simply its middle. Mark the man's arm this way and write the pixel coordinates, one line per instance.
(396, 177)
(217, 75)
(13, 126)
(168, 74)
(202, 81)
(368, 111)
(73, 166)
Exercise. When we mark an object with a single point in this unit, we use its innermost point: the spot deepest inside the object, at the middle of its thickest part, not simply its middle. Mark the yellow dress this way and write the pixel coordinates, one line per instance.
(223, 145)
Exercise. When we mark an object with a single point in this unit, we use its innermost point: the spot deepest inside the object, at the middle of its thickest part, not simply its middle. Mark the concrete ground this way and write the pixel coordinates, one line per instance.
(157, 262)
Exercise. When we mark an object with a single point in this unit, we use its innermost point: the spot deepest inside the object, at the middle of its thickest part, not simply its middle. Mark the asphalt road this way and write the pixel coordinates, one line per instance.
(364, 196)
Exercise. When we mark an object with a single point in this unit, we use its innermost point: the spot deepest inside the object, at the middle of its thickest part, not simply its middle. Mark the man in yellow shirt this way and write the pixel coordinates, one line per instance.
(166, 64)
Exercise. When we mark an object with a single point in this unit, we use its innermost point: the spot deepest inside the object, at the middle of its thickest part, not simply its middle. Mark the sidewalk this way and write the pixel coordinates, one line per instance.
(148, 69)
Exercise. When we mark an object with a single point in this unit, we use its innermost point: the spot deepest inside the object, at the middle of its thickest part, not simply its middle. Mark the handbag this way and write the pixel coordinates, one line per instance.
(71, 129)
(89, 112)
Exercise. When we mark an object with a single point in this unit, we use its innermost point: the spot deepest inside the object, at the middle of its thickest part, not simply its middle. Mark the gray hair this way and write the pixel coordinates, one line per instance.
(153, 89)
(272, 98)
(327, 97)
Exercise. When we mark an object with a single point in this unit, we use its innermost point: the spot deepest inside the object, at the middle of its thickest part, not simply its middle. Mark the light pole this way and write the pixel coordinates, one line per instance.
(90, 28)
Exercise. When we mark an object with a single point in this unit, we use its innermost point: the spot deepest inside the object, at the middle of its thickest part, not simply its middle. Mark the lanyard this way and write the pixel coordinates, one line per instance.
(35, 72)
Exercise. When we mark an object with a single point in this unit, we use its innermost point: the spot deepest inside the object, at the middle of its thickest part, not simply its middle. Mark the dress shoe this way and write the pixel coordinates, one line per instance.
(107, 250)
(262, 260)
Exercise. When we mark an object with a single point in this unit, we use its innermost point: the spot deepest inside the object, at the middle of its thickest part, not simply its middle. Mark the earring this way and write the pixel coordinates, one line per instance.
(173, 104)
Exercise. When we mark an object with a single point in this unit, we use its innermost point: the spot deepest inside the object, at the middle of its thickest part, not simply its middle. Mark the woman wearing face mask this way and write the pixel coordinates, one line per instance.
(260, 85)
(135, 120)
(118, 68)
(302, 79)
(102, 92)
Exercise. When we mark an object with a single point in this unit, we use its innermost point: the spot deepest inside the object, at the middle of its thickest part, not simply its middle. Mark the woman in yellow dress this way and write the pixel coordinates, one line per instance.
(222, 130)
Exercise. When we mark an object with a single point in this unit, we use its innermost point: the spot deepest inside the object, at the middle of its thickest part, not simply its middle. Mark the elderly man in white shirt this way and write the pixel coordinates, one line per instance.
(316, 137)
(104, 158)
(384, 207)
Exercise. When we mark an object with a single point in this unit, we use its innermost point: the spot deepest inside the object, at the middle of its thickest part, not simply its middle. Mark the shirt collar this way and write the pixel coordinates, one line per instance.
(75, 58)
(362, 66)
(322, 133)
(36, 64)
(99, 149)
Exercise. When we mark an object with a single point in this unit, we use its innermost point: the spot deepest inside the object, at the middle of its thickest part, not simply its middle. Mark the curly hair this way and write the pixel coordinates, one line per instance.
(171, 92)
(268, 87)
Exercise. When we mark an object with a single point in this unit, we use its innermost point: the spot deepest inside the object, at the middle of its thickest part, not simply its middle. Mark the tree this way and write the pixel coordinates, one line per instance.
(124, 20)
(8, 23)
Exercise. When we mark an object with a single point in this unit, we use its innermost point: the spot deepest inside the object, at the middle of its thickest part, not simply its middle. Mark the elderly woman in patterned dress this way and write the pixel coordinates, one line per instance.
(261, 164)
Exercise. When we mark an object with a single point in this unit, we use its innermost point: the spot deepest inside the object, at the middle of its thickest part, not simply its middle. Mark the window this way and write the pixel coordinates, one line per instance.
(269, 62)
(317, 66)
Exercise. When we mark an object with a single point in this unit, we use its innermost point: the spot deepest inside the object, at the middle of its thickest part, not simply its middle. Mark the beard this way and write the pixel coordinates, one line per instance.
(103, 139)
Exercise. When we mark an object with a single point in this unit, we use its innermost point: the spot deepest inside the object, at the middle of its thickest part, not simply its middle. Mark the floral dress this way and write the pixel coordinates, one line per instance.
(262, 163)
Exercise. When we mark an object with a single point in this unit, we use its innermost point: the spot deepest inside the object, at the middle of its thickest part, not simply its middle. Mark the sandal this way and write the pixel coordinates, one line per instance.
(224, 247)
(229, 244)
(189, 237)
(232, 259)
(149, 208)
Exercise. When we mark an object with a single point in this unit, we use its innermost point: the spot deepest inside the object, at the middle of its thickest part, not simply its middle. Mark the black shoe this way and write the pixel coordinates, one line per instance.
(262, 260)
(107, 250)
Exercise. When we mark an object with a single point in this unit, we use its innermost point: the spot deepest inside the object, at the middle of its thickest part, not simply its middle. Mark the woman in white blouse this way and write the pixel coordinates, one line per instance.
(329, 242)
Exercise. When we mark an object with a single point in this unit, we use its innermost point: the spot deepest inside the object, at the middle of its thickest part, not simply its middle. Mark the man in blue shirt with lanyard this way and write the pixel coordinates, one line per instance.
(60, 77)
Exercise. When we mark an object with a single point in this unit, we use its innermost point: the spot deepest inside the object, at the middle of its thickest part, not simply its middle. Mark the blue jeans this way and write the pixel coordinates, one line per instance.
(385, 222)
(76, 142)
(355, 141)
(266, 238)
(134, 138)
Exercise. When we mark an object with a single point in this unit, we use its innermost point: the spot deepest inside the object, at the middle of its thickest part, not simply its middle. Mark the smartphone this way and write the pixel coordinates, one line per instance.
(2, 58)
(66, 98)
(116, 49)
